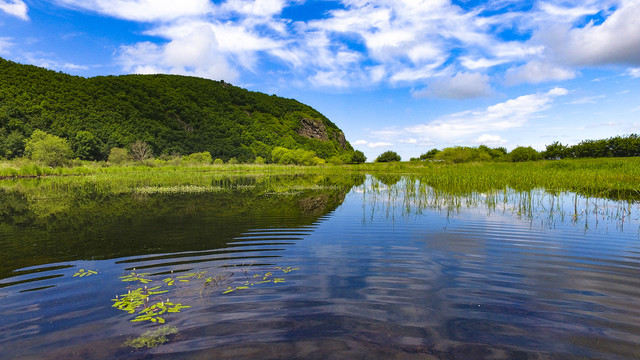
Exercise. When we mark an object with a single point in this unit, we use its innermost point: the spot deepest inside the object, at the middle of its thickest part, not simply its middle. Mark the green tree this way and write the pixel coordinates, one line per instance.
(462, 154)
(555, 151)
(14, 145)
(358, 157)
(388, 156)
(48, 149)
(429, 154)
(118, 155)
(86, 146)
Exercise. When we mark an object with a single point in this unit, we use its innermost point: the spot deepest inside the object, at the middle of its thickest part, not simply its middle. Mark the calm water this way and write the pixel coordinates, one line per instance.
(358, 269)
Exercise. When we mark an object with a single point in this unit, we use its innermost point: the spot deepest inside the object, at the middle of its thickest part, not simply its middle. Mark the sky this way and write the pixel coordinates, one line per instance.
(406, 76)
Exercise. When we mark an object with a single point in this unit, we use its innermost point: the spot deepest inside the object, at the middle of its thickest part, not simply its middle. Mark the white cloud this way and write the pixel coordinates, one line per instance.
(615, 41)
(633, 72)
(195, 54)
(460, 86)
(5, 44)
(587, 100)
(143, 10)
(16, 8)
(408, 141)
(536, 72)
(511, 114)
(371, 145)
(490, 140)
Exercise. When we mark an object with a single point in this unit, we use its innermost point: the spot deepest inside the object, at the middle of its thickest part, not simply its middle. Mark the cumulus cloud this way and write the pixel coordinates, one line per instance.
(16, 8)
(460, 86)
(614, 41)
(195, 53)
(511, 114)
(536, 72)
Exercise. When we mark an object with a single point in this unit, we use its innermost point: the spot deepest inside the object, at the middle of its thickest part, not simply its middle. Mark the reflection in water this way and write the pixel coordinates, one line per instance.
(303, 268)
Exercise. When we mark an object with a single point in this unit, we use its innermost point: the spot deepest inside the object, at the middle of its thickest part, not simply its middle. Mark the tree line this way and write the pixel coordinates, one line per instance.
(618, 146)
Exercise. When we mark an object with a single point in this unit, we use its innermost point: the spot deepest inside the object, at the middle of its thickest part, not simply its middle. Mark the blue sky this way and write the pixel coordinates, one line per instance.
(402, 75)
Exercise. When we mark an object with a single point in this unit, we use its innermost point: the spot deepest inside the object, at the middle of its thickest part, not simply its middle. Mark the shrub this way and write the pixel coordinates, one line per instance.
(462, 154)
(522, 153)
(218, 162)
(48, 149)
(118, 155)
(198, 158)
(388, 156)
(259, 160)
(232, 161)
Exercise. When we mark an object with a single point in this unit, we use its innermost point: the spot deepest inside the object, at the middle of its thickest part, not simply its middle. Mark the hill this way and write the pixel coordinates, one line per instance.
(174, 114)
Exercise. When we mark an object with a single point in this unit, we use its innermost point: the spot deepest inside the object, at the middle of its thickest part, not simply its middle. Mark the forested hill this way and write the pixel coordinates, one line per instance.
(174, 114)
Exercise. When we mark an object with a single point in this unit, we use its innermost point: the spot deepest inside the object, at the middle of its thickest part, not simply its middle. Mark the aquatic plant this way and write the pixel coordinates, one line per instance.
(151, 338)
(83, 273)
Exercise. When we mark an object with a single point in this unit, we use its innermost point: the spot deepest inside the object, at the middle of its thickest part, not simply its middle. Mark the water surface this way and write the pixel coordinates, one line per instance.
(350, 269)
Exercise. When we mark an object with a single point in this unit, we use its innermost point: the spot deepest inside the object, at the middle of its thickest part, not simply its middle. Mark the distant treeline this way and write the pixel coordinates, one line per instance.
(173, 115)
(618, 146)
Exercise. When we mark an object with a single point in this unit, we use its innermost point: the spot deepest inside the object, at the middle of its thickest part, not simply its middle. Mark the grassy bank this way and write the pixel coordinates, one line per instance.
(605, 177)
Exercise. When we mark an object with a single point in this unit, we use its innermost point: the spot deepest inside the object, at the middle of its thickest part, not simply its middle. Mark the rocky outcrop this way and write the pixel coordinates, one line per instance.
(339, 136)
(313, 129)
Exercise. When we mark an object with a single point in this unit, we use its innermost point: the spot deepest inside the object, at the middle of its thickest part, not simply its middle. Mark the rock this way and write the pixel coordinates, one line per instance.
(313, 129)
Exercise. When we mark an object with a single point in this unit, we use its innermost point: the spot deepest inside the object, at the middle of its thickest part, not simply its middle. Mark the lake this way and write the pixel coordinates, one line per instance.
(315, 267)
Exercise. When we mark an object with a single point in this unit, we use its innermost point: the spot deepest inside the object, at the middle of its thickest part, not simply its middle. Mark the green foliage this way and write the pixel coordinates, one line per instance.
(388, 156)
(172, 114)
(555, 151)
(232, 161)
(83, 273)
(218, 162)
(118, 155)
(429, 154)
(522, 153)
(152, 338)
(48, 149)
(198, 158)
(462, 154)
(86, 146)
(358, 157)
(259, 160)
(280, 155)
(13, 145)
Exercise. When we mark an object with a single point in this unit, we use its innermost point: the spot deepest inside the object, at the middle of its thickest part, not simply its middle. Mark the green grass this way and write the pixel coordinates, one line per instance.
(603, 177)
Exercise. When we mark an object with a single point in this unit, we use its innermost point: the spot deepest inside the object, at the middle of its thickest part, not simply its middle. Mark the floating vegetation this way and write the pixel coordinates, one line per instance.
(151, 338)
(259, 279)
(136, 277)
(83, 273)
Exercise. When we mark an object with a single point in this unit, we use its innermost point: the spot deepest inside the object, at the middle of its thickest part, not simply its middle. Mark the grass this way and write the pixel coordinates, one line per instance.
(617, 178)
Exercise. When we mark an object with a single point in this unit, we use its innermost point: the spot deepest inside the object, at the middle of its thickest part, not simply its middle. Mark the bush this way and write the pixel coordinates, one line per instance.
(388, 156)
(118, 155)
(198, 158)
(218, 162)
(232, 161)
(86, 146)
(259, 160)
(462, 154)
(522, 153)
(284, 156)
(48, 149)
(429, 154)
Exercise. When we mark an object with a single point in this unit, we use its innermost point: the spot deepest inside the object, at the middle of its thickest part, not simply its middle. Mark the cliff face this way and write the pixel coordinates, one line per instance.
(174, 114)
